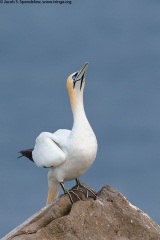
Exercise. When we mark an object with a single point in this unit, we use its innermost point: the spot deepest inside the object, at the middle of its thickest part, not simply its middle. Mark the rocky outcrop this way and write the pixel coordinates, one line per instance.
(110, 217)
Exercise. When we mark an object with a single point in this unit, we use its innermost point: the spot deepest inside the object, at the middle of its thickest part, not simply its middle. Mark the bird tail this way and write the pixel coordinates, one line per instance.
(53, 187)
(26, 153)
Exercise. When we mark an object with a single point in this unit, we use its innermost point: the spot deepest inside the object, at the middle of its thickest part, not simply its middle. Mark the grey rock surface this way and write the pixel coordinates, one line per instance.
(110, 217)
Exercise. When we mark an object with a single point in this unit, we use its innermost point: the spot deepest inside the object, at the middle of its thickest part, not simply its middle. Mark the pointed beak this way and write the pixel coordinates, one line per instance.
(82, 72)
(81, 75)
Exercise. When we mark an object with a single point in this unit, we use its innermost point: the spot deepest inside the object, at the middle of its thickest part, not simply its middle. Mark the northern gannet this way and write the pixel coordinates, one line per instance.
(67, 154)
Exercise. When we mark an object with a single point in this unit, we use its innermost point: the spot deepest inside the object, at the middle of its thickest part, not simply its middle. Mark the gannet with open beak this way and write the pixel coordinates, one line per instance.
(67, 154)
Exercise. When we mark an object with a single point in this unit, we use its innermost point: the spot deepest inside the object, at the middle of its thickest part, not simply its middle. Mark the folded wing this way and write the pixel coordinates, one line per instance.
(47, 152)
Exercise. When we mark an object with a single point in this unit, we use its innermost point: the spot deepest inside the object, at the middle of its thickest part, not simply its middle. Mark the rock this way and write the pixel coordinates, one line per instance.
(110, 217)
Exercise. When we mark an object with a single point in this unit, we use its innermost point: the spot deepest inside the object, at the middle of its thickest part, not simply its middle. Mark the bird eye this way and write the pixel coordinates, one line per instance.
(74, 76)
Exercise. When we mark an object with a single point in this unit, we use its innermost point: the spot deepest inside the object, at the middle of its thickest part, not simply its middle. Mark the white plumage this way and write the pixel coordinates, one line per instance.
(68, 154)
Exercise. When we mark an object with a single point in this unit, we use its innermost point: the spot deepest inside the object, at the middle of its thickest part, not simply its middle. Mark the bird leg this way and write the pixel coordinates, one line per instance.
(69, 192)
(78, 185)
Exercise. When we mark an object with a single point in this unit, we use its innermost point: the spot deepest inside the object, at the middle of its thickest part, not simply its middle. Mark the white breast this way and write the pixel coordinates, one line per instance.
(80, 153)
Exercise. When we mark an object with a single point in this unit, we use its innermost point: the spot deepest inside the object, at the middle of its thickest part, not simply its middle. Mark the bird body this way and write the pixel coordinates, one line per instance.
(67, 154)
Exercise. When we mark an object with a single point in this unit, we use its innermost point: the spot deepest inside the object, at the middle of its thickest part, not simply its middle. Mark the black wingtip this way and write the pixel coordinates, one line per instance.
(26, 153)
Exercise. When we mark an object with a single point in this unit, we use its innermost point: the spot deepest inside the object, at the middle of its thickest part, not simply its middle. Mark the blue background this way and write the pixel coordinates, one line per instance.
(40, 46)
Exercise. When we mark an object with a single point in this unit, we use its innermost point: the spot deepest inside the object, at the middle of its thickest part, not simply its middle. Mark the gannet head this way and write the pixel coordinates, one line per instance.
(75, 86)
(76, 81)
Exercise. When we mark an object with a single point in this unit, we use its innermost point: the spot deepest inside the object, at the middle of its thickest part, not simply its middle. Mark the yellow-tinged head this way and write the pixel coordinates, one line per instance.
(75, 85)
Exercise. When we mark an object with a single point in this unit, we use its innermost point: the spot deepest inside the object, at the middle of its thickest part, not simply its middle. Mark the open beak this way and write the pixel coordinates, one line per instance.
(81, 75)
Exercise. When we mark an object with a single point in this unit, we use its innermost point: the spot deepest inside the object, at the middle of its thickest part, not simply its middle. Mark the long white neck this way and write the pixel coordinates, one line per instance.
(80, 121)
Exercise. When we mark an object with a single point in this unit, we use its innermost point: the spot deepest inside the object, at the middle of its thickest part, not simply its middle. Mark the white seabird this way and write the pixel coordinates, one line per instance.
(67, 154)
